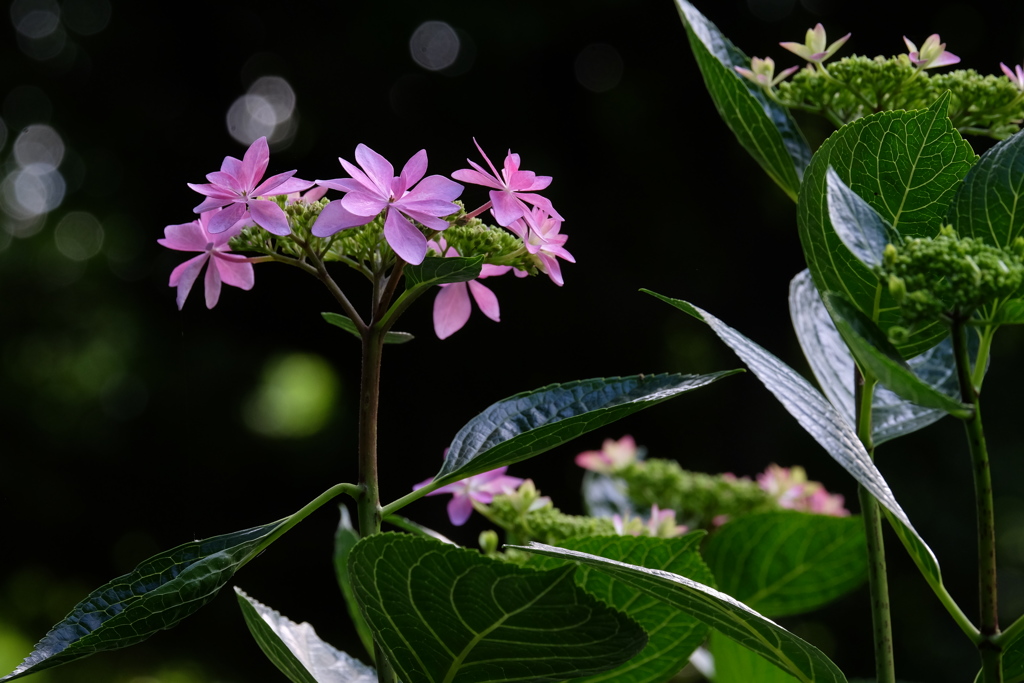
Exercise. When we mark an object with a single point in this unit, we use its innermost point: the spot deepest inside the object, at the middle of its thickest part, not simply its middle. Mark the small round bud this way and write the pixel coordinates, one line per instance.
(898, 288)
(488, 542)
(899, 335)
(889, 255)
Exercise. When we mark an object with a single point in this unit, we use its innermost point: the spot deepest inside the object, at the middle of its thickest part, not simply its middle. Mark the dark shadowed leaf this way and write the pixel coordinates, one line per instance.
(762, 126)
(858, 225)
(155, 596)
(345, 539)
(346, 324)
(443, 613)
(437, 270)
(990, 204)
(527, 424)
(717, 610)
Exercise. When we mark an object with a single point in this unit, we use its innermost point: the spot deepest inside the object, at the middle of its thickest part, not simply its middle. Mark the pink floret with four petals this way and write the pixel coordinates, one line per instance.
(481, 487)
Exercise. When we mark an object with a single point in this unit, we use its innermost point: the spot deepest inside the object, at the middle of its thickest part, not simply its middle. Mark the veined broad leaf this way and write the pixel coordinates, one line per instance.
(155, 596)
(438, 270)
(442, 613)
(717, 610)
(824, 423)
(907, 165)
(990, 204)
(297, 651)
(346, 324)
(833, 366)
(672, 635)
(857, 225)
(345, 539)
(527, 424)
(1011, 312)
(788, 562)
(736, 664)
(880, 359)
(761, 125)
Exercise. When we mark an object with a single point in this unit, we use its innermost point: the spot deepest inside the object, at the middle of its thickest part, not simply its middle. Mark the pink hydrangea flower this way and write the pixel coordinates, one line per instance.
(540, 234)
(762, 72)
(512, 189)
(452, 305)
(481, 488)
(1016, 75)
(613, 456)
(374, 187)
(813, 48)
(932, 53)
(195, 236)
(660, 524)
(237, 187)
(793, 491)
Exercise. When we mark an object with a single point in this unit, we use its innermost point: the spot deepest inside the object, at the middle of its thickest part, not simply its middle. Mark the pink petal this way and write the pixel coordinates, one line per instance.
(477, 177)
(269, 216)
(506, 207)
(234, 273)
(212, 286)
(486, 158)
(407, 241)
(363, 203)
(486, 300)
(378, 169)
(269, 187)
(414, 169)
(459, 509)
(184, 276)
(231, 165)
(254, 163)
(335, 217)
(185, 237)
(223, 220)
(945, 59)
(343, 184)
(226, 181)
(451, 310)
(437, 187)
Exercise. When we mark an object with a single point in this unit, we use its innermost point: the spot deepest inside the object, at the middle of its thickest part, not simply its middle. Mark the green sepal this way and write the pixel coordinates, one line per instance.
(156, 595)
(672, 634)
(878, 358)
(761, 125)
(443, 613)
(346, 324)
(718, 610)
(907, 165)
(788, 562)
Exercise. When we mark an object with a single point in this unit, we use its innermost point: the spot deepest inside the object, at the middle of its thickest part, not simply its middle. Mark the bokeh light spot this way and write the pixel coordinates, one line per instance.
(35, 19)
(79, 236)
(434, 45)
(599, 67)
(39, 145)
(296, 397)
(86, 17)
(267, 109)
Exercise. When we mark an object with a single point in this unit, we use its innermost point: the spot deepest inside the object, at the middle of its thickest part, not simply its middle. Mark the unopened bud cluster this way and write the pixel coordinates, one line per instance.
(948, 277)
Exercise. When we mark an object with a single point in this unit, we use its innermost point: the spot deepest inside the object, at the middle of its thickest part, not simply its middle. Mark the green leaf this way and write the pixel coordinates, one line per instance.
(833, 366)
(442, 613)
(1013, 662)
(672, 635)
(297, 651)
(717, 610)
(155, 596)
(736, 664)
(788, 562)
(346, 324)
(907, 165)
(761, 125)
(878, 358)
(857, 225)
(989, 206)
(437, 270)
(406, 524)
(345, 539)
(1011, 312)
(824, 423)
(527, 424)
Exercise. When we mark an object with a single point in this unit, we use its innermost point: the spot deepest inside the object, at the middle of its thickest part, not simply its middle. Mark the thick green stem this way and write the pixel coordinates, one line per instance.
(878, 582)
(989, 611)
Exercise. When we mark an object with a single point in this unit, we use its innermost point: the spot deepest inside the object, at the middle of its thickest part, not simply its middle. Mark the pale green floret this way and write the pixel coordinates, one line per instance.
(856, 86)
(696, 497)
(947, 277)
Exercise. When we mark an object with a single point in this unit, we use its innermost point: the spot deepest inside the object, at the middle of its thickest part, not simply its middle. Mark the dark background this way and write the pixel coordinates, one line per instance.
(128, 427)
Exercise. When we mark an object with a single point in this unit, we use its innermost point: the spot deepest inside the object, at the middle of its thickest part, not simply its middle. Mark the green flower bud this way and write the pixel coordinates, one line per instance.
(489, 542)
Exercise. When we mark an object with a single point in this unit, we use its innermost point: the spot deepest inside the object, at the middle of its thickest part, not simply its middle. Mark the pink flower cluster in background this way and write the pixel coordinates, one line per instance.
(481, 488)
(793, 491)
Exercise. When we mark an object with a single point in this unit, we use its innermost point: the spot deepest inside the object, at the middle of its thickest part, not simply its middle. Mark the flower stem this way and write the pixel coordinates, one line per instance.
(991, 654)
(878, 581)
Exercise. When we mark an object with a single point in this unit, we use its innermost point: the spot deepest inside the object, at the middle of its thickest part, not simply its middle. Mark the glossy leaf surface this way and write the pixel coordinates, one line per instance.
(443, 613)
(297, 651)
(824, 423)
(907, 165)
(762, 126)
(717, 610)
(857, 225)
(878, 357)
(346, 324)
(990, 204)
(524, 425)
(672, 634)
(833, 366)
(736, 664)
(787, 562)
(437, 270)
(155, 596)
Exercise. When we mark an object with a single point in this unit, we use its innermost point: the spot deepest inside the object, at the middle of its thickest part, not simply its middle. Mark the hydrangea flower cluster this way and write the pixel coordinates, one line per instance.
(382, 220)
